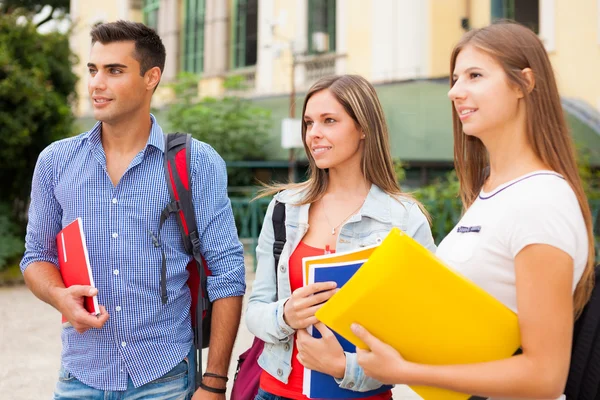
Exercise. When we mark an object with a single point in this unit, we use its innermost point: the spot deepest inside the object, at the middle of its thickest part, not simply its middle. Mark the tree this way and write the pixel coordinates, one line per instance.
(37, 85)
(11, 243)
(232, 125)
(33, 7)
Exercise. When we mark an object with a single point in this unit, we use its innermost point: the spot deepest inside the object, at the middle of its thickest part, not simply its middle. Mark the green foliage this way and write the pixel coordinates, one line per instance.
(233, 126)
(399, 170)
(29, 8)
(589, 177)
(11, 245)
(441, 200)
(33, 6)
(36, 86)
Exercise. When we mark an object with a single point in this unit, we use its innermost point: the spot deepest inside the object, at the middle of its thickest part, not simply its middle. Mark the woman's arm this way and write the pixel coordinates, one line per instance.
(264, 313)
(544, 278)
(275, 320)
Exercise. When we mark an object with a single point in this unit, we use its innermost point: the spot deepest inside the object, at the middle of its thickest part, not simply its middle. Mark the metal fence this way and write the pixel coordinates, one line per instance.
(249, 215)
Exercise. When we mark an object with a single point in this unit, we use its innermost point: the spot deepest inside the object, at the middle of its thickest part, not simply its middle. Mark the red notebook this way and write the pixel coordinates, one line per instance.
(74, 262)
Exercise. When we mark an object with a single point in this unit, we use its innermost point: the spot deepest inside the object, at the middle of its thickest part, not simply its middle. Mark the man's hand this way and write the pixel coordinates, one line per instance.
(69, 301)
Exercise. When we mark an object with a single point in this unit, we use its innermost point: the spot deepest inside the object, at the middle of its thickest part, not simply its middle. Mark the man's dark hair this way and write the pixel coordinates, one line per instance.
(149, 48)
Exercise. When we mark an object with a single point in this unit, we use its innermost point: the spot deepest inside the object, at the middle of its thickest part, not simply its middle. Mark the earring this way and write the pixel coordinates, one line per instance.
(363, 136)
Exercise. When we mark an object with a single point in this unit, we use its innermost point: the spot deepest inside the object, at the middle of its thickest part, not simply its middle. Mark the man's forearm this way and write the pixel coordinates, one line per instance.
(42, 278)
(225, 321)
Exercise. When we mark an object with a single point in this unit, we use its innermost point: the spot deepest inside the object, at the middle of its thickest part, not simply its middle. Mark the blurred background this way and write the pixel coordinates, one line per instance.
(235, 77)
(237, 70)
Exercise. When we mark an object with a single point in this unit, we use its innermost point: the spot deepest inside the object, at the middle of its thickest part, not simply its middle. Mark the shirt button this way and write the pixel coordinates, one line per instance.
(280, 372)
(351, 385)
(286, 347)
(115, 235)
(123, 344)
(118, 308)
(114, 201)
(282, 268)
(116, 272)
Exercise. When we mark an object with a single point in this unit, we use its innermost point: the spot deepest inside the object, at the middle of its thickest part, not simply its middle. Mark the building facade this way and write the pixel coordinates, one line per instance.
(280, 47)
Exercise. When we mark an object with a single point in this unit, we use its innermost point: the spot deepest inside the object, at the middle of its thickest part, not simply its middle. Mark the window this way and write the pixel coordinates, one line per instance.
(321, 26)
(151, 13)
(193, 36)
(526, 12)
(245, 43)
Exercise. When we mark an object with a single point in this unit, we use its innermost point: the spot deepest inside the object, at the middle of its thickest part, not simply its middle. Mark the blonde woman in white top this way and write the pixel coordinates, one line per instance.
(526, 235)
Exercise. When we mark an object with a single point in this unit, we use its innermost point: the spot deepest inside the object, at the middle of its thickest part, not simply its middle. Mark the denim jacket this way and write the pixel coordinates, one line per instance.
(264, 314)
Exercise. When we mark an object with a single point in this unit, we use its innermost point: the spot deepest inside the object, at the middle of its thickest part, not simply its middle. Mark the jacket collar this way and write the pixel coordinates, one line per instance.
(376, 206)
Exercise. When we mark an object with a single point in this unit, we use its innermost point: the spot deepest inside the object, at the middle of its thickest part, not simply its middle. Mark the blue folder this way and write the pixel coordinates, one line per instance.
(324, 386)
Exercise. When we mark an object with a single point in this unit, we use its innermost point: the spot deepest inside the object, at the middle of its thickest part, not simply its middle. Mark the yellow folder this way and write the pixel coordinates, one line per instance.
(431, 314)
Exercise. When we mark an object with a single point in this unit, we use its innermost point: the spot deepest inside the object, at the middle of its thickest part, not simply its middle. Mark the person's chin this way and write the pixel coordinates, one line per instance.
(323, 165)
(103, 116)
(469, 131)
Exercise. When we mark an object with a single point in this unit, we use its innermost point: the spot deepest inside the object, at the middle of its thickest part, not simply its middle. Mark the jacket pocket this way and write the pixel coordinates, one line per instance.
(373, 237)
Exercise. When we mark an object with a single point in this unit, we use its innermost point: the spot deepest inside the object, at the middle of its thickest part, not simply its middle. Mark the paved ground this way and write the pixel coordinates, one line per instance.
(30, 347)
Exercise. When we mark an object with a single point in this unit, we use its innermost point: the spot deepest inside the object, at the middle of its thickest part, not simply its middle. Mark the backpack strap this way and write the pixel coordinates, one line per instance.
(280, 236)
(278, 230)
(584, 372)
(177, 172)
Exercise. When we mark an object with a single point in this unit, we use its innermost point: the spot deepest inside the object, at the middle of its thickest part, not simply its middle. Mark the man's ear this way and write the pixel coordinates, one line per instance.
(529, 79)
(152, 77)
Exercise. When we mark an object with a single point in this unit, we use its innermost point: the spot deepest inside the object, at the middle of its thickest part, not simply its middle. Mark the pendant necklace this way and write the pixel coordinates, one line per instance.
(335, 228)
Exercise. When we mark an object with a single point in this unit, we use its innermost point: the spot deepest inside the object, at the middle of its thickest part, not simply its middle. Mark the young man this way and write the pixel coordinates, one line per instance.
(113, 178)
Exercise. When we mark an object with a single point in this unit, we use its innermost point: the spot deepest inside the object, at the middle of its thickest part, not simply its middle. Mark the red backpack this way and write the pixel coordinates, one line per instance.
(177, 173)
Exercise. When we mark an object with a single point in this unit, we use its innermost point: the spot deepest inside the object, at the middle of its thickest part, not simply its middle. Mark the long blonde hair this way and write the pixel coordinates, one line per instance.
(360, 101)
(515, 48)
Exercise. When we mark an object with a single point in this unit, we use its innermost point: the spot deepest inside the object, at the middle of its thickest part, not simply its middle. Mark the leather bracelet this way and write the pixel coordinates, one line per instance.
(212, 389)
(211, 375)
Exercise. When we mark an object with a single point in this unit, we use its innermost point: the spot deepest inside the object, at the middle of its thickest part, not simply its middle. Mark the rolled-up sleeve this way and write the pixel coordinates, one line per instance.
(355, 378)
(220, 245)
(45, 215)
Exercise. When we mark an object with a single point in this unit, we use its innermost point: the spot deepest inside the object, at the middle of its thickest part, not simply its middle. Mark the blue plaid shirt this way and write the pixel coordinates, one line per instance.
(143, 338)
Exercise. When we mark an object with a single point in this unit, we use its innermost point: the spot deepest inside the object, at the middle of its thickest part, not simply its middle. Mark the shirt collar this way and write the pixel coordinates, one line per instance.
(155, 139)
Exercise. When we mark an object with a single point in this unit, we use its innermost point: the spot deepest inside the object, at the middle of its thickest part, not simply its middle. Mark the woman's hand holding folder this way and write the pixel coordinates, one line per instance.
(379, 354)
(299, 310)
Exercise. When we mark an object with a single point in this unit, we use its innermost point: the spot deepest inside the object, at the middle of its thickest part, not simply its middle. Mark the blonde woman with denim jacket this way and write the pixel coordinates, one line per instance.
(351, 200)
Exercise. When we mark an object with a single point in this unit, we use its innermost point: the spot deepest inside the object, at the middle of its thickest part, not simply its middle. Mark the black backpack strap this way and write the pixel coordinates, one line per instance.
(584, 372)
(177, 152)
(280, 236)
(278, 230)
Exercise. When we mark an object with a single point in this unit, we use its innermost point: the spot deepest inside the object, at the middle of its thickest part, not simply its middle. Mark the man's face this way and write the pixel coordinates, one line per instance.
(116, 88)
